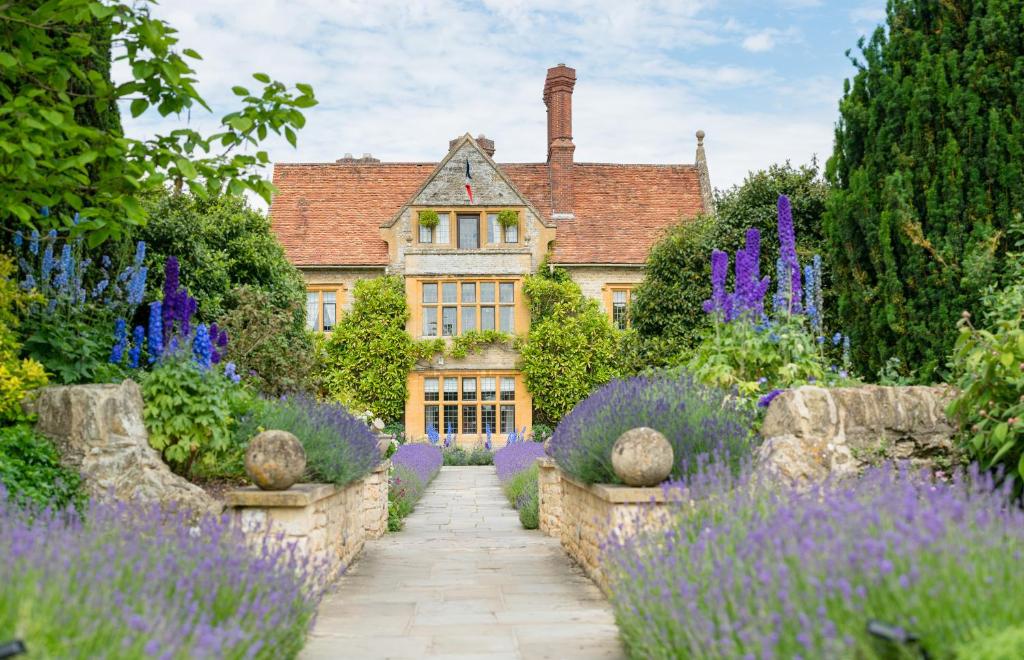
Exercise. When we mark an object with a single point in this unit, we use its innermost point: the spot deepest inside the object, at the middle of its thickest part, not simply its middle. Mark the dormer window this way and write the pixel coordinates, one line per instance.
(440, 234)
(465, 229)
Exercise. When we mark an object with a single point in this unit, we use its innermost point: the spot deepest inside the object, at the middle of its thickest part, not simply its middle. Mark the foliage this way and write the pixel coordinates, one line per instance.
(461, 346)
(415, 466)
(276, 355)
(456, 455)
(541, 432)
(340, 448)
(753, 352)
(221, 244)
(665, 308)
(369, 354)
(989, 365)
(64, 149)
(521, 489)
(760, 569)
(31, 473)
(17, 376)
(133, 582)
(1005, 644)
(516, 457)
(429, 218)
(571, 349)
(697, 420)
(186, 411)
(508, 218)
(926, 176)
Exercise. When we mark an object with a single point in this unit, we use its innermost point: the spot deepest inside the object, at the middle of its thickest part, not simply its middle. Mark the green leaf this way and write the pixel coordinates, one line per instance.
(240, 91)
(139, 106)
(1006, 359)
(999, 433)
(7, 60)
(262, 77)
(240, 123)
(188, 52)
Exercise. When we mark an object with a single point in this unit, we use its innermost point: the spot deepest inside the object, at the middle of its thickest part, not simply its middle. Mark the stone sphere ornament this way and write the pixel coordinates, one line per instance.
(275, 460)
(642, 457)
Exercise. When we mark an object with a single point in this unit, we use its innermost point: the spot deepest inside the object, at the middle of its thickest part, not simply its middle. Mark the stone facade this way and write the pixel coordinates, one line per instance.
(99, 432)
(811, 432)
(597, 281)
(584, 516)
(341, 279)
(329, 522)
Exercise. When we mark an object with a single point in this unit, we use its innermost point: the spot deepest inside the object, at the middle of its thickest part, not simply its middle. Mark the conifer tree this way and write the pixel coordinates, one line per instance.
(927, 173)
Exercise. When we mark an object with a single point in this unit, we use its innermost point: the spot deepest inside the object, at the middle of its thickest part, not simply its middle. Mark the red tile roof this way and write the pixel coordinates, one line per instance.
(330, 214)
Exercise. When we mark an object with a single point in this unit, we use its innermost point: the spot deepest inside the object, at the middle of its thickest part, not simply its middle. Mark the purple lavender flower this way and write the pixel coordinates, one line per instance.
(516, 457)
(767, 399)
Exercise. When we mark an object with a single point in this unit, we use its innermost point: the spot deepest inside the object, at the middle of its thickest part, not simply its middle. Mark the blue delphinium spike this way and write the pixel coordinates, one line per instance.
(120, 338)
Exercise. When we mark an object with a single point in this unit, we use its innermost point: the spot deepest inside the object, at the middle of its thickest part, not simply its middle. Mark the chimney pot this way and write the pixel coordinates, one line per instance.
(558, 98)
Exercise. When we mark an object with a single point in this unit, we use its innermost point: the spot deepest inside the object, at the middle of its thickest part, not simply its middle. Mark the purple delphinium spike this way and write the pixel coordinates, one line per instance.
(719, 303)
(787, 251)
(170, 306)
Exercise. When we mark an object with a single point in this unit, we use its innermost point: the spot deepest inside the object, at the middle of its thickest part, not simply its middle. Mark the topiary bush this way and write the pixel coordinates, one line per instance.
(697, 420)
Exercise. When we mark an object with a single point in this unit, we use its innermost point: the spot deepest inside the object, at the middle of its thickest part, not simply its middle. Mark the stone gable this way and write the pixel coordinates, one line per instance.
(448, 185)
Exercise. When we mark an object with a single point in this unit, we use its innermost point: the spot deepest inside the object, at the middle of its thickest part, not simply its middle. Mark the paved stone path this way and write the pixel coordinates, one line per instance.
(464, 579)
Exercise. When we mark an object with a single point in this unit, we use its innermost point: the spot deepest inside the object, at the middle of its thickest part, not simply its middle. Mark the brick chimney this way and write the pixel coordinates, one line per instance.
(558, 99)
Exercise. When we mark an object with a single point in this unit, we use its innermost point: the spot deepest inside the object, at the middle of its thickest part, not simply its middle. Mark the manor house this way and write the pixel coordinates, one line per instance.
(360, 218)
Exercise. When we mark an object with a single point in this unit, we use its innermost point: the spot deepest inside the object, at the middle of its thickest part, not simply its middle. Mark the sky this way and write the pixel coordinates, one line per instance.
(398, 80)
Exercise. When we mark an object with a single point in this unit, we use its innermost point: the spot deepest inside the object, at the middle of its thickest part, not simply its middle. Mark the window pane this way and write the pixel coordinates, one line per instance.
(431, 418)
(469, 231)
(329, 316)
(487, 318)
(448, 321)
(512, 234)
(312, 311)
(469, 292)
(468, 319)
(451, 419)
(430, 321)
(430, 392)
(451, 389)
(469, 389)
(508, 319)
(487, 292)
(508, 419)
(507, 291)
(430, 292)
(619, 296)
(426, 235)
(488, 418)
(487, 386)
(619, 315)
(508, 389)
(448, 292)
(469, 419)
(442, 234)
(493, 228)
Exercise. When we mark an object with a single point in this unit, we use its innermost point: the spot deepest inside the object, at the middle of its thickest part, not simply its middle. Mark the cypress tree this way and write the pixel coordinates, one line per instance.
(927, 172)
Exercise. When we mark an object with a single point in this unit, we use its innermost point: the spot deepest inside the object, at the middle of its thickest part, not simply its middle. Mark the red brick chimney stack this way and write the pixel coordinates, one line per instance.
(558, 99)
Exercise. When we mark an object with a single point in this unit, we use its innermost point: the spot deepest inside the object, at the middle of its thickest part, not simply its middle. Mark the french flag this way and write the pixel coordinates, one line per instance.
(469, 182)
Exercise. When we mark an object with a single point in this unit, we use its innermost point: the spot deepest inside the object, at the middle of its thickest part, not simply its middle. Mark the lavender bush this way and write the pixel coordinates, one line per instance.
(759, 571)
(696, 419)
(514, 458)
(339, 447)
(131, 582)
(415, 466)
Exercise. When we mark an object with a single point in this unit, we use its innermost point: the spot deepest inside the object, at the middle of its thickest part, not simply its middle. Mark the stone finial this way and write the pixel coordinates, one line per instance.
(706, 193)
(275, 460)
(642, 457)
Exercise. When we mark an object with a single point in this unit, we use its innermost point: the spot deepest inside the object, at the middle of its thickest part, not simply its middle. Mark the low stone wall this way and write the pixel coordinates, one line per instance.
(584, 516)
(324, 520)
(812, 432)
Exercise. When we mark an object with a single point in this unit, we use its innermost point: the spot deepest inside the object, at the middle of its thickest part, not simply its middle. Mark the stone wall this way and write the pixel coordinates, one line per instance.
(584, 516)
(327, 521)
(345, 278)
(99, 432)
(812, 432)
(594, 280)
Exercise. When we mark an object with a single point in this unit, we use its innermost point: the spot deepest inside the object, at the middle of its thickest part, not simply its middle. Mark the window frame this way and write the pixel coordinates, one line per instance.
(438, 405)
(611, 290)
(482, 309)
(339, 300)
(452, 215)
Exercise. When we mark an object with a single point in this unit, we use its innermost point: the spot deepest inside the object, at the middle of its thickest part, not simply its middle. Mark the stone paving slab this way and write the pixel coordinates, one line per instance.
(464, 580)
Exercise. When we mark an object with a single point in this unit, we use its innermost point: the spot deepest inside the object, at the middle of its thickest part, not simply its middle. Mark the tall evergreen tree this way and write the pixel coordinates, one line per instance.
(927, 172)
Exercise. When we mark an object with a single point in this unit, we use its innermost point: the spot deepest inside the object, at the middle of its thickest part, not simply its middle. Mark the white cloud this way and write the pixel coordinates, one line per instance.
(399, 79)
(873, 15)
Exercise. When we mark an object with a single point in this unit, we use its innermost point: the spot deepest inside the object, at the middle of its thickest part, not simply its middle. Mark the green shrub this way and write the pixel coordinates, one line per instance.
(1005, 644)
(522, 493)
(17, 376)
(429, 218)
(369, 354)
(572, 347)
(31, 472)
(926, 177)
(989, 365)
(187, 411)
(528, 507)
(462, 456)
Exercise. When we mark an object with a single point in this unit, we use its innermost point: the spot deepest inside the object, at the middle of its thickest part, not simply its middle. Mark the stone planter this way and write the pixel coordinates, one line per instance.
(328, 521)
(584, 516)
